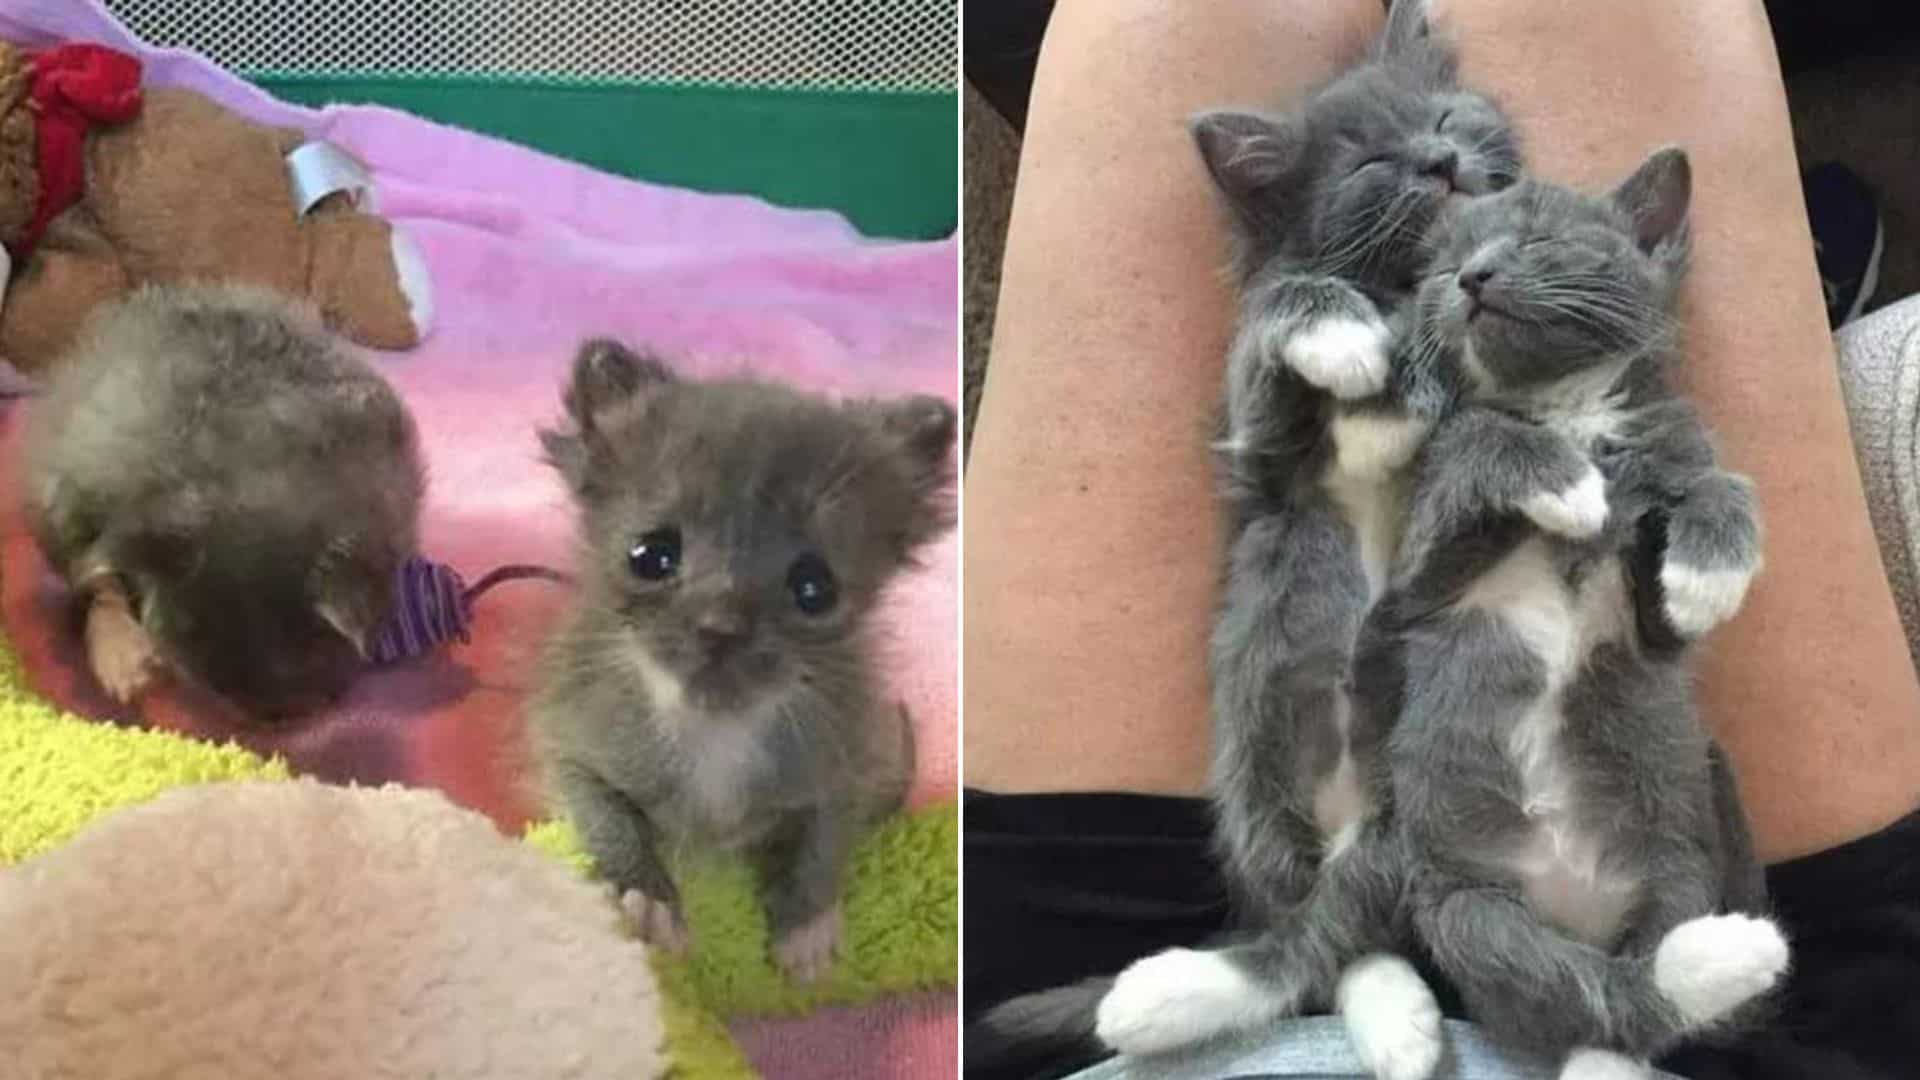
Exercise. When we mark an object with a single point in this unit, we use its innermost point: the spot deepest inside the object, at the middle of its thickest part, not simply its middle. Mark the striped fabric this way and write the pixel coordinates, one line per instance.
(431, 610)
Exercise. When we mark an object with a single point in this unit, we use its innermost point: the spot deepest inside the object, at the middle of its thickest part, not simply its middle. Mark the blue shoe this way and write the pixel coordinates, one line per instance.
(1847, 238)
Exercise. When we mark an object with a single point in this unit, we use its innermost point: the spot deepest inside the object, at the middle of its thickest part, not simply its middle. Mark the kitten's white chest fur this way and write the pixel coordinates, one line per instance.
(1561, 862)
(720, 757)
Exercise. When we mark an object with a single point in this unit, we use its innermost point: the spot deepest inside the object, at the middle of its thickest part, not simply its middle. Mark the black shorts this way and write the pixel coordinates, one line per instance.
(1060, 887)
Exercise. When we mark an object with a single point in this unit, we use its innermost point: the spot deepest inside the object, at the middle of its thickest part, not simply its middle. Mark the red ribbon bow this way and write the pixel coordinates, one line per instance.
(74, 87)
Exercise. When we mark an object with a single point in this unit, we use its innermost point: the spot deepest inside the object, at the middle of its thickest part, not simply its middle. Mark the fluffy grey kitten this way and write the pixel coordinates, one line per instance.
(714, 688)
(1331, 206)
(228, 490)
(1328, 207)
(1571, 839)
(1563, 837)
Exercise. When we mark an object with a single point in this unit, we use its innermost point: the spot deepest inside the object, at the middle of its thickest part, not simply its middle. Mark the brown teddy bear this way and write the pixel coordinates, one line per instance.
(105, 186)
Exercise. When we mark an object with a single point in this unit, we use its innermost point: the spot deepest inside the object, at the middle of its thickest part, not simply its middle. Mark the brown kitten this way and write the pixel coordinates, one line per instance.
(229, 490)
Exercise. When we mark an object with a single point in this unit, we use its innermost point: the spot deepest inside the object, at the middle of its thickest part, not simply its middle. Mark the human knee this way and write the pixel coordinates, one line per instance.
(1339, 29)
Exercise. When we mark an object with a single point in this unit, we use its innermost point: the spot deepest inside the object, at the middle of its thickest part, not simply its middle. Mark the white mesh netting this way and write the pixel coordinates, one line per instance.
(900, 45)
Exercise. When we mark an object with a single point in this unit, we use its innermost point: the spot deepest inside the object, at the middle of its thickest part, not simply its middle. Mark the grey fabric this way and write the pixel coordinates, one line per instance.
(1316, 1048)
(1880, 379)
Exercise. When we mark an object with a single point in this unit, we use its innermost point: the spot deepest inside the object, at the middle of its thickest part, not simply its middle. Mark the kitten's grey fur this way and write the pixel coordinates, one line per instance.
(1572, 835)
(1330, 207)
(1327, 208)
(701, 707)
(1562, 832)
(215, 471)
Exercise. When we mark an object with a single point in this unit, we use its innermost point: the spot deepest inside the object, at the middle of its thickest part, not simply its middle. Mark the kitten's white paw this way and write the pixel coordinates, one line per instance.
(1345, 357)
(805, 952)
(121, 654)
(1576, 513)
(1373, 444)
(1392, 1017)
(656, 922)
(1177, 998)
(1712, 965)
(1590, 1064)
(1699, 600)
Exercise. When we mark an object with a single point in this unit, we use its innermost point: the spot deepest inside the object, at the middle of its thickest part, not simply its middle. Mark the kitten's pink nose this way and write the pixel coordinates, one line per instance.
(722, 631)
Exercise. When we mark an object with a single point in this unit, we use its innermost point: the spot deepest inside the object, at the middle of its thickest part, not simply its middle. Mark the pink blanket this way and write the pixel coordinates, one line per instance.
(528, 255)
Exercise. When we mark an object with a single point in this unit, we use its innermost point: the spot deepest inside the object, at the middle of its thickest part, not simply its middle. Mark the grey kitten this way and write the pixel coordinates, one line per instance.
(1572, 835)
(1331, 206)
(228, 489)
(1327, 207)
(1546, 767)
(714, 688)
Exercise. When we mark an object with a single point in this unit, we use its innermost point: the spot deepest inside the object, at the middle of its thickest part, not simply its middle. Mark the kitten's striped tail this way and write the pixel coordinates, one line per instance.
(1027, 1032)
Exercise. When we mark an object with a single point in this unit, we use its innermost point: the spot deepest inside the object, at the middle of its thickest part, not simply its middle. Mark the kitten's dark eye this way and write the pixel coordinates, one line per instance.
(811, 582)
(656, 555)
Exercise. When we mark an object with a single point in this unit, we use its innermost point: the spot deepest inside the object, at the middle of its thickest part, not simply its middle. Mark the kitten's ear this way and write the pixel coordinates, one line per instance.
(1409, 40)
(1407, 27)
(1246, 151)
(607, 377)
(919, 431)
(348, 597)
(1656, 197)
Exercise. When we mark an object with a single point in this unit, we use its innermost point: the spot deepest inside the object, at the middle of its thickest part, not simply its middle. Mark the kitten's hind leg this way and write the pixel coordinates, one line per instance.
(1542, 989)
(1392, 1017)
(1181, 997)
(1284, 779)
(801, 864)
(621, 839)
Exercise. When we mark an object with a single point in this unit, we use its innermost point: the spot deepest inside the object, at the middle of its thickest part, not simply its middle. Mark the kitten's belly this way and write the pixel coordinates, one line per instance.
(1371, 505)
(1559, 860)
(1563, 874)
(1341, 800)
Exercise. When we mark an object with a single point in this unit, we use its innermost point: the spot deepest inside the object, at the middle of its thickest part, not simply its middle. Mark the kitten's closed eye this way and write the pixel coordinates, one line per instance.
(811, 581)
(656, 555)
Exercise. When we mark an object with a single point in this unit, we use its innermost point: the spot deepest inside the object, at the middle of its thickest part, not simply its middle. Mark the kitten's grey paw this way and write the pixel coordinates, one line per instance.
(657, 923)
(1576, 513)
(121, 655)
(1710, 966)
(1176, 998)
(1591, 1064)
(1392, 1018)
(1698, 600)
(805, 953)
(1346, 357)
